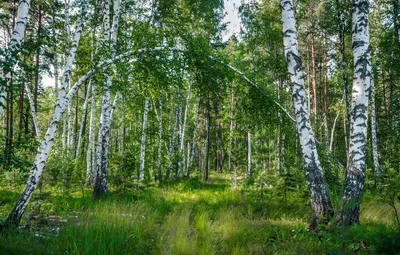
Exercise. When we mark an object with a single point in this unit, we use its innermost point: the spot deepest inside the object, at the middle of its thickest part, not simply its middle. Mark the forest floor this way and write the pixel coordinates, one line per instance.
(188, 217)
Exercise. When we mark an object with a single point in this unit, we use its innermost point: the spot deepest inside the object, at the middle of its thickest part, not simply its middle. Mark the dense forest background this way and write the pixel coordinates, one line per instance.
(114, 108)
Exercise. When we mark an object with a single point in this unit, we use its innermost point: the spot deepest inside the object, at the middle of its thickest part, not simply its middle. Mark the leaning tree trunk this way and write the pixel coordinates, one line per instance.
(320, 202)
(33, 112)
(355, 172)
(13, 47)
(45, 146)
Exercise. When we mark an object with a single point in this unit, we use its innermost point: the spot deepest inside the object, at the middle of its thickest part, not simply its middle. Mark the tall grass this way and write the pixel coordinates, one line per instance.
(193, 217)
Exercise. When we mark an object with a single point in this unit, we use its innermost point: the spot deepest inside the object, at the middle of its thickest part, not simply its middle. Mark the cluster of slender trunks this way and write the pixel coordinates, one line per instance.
(97, 153)
(362, 82)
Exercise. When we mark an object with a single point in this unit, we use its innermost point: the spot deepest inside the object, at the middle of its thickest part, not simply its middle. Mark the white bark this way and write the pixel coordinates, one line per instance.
(32, 108)
(160, 134)
(14, 46)
(105, 124)
(180, 131)
(172, 142)
(191, 155)
(121, 142)
(355, 174)
(320, 202)
(81, 130)
(248, 153)
(232, 106)
(143, 140)
(45, 145)
(114, 32)
(63, 135)
(100, 179)
(374, 133)
(182, 166)
(333, 132)
(114, 105)
(70, 133)
(91, 152)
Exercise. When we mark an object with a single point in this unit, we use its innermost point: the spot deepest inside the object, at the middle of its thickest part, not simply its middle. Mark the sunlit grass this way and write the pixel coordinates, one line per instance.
(195, 217)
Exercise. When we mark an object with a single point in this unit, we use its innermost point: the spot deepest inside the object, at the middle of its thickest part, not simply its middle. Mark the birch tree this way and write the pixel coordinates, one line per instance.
(374, 134)
(356, 165)
(160, 135)
(320, 202)
(13, 48)
(45, 145)
(143, 140)
(100, 182)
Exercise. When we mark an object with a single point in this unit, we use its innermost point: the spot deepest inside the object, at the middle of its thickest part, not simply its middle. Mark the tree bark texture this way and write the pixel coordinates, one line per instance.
(45, 145)
(356, 165)
(320, 202)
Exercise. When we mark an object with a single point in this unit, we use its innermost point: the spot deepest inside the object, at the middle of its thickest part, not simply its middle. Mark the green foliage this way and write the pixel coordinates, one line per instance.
(188, 217)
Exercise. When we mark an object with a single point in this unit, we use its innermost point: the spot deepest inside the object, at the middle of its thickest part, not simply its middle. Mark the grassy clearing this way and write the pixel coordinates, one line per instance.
(191, 217)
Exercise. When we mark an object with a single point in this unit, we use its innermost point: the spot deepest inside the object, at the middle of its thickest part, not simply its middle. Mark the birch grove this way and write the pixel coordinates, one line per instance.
(154, 98)
(45, 145)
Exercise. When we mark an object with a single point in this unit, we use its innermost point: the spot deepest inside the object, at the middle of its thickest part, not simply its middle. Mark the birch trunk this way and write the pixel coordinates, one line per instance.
(107, 146)
(70, 133)
(374, 133)
(54, 59)
(100, 180)
(160, 134)
(192, 150)
(325, 83)
(355, 172)
(121, 142)
(249, 173)
(208, 144)
(143, 140)
(396, 20)
(182, 167)
(45, 145)
(320, 202)
(33, 113)
(180, 130)
(103, 144)
(172, 143)
(63, 135)
(91, 153)
(231, 110)
(82, 127)
(13, 47)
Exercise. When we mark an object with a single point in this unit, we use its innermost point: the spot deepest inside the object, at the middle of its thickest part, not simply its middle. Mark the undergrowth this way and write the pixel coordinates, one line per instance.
(189, 217)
